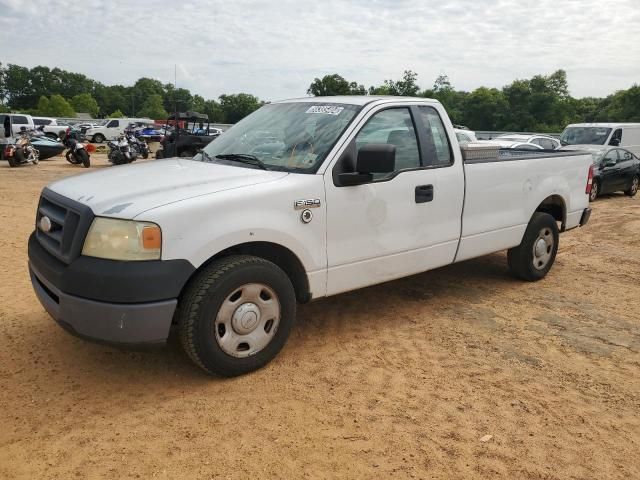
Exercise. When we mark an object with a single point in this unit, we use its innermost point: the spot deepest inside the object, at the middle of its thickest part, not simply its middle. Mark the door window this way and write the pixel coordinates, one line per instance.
(616, 138)
(112, 123)
(438, 147)
(393, 126)
(624, 155)
(19, 119)
(546, 143)
(610, 157)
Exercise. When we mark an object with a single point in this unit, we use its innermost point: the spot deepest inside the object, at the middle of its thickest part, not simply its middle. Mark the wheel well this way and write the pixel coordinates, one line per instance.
(554, 206)
(281, 256)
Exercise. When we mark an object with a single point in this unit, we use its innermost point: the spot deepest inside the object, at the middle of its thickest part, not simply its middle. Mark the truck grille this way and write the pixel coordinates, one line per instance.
(67, 226)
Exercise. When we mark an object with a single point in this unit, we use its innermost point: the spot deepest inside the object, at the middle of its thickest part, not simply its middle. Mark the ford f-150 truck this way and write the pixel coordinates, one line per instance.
(300, 200)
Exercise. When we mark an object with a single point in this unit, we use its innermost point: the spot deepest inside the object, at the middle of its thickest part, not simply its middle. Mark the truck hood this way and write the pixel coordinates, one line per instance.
(128, 190)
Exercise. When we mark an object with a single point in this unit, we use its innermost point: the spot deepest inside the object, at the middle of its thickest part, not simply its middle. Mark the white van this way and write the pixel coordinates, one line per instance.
(12, 123)
(113, 128)
(625, 135)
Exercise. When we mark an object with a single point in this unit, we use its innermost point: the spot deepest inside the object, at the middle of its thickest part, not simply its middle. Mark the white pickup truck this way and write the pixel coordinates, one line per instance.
(300, 200)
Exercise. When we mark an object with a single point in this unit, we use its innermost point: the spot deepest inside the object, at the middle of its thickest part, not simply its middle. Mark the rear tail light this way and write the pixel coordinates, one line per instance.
(589, 180)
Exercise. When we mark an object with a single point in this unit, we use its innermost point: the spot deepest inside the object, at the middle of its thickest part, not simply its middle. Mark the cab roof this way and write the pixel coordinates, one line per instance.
(604, 125)
(356, 99)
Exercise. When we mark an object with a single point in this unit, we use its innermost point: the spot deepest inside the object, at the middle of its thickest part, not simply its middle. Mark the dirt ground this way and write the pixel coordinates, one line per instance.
(401, 380)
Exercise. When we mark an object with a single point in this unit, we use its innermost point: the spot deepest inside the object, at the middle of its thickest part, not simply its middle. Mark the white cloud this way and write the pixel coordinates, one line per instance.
(275, 49)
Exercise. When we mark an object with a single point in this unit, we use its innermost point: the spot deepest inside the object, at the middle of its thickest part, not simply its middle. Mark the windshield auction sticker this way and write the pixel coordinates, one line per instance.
(326, 109)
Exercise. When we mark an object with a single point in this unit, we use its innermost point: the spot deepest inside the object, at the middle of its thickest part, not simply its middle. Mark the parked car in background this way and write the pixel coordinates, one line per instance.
(465, 136)
(625, 135)
(113, 128)
(51, 126)
(614, 170)
(504, 143)
(13, 123)
(546, 142)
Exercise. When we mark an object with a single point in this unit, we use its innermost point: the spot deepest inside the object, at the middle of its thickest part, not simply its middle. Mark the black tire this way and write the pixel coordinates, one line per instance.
(145, 155)
(71, 158)
(522, 259)
(633, 189)
(84, 158)
(201, 301)
(12, 161)
(18, 157)
(97, 138)
(159, 154)
(595, 190)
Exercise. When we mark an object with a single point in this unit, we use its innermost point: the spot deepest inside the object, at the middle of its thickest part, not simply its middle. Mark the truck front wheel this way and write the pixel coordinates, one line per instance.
(236, 315)
(534, 257)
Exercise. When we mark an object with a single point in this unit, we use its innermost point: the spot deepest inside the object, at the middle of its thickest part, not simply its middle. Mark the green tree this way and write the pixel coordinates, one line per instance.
(214, 111)
(153, 108)
(334, 85)
(238, 106)
(624, 106)
(116, 114)
(43, 105)
(84, 102)
(406, 86)
(59, 107)
(484, 109)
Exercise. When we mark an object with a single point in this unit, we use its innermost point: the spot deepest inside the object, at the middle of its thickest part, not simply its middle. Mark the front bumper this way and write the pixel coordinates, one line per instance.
(106, 300)
(120, 323)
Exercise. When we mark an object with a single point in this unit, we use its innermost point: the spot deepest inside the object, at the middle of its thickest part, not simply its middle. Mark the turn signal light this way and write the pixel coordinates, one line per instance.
(151, 237)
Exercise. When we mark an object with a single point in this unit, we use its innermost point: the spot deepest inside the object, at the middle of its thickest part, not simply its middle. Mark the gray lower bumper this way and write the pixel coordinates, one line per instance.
(142, 323)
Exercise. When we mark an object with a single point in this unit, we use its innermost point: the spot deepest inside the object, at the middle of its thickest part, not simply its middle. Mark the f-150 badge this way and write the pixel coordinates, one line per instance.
(309, 203)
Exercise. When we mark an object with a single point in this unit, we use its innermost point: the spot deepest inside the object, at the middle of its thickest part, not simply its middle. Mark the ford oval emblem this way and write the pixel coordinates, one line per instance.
(45, 224)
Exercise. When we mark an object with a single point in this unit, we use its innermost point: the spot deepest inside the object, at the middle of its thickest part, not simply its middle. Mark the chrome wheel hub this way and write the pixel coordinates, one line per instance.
(248, 320)
(543, 248)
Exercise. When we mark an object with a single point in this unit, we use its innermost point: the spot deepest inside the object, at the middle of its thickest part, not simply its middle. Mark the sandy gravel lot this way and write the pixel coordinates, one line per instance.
(400, 380)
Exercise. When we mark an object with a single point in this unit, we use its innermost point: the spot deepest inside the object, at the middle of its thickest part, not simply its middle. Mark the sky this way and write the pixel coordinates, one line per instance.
(275, 49)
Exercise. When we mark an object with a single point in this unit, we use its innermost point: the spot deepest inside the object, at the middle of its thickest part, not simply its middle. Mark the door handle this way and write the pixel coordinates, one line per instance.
(424, 193)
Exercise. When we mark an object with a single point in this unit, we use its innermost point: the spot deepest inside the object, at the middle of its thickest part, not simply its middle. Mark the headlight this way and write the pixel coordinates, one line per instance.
(123, 240)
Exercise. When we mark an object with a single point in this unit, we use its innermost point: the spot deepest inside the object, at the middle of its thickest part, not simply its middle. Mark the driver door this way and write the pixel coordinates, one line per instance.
(612, 178)
(401, 223)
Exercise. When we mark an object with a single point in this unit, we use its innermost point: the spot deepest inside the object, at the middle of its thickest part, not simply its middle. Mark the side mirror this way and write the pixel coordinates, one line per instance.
(615, 142)
(372, 158)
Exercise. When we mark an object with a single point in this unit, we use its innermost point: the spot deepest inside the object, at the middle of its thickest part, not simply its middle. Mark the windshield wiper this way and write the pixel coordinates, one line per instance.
(243, 158)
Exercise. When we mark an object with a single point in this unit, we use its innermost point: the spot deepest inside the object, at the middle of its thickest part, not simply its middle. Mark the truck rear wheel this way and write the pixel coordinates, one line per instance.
(98, 138)
(534, 257)
(236, 315)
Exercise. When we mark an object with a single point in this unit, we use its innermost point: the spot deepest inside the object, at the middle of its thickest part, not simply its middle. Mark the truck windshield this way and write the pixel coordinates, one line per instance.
(292, 137)
(584, 135)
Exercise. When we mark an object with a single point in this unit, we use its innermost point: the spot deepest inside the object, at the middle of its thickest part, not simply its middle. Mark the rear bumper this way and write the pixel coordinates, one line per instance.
(115, 323)
(586, 214)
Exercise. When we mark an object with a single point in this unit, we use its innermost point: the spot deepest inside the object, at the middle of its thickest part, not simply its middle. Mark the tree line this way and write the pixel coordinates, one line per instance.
(59, 93)
(541, 103)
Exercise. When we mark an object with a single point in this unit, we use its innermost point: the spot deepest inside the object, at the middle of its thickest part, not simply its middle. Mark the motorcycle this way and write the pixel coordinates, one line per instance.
(22, 152)
(120, 151)
(138, 145)
(77, 153)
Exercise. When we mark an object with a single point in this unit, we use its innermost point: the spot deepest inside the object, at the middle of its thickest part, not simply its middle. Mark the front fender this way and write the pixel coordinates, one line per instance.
(197, 229)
